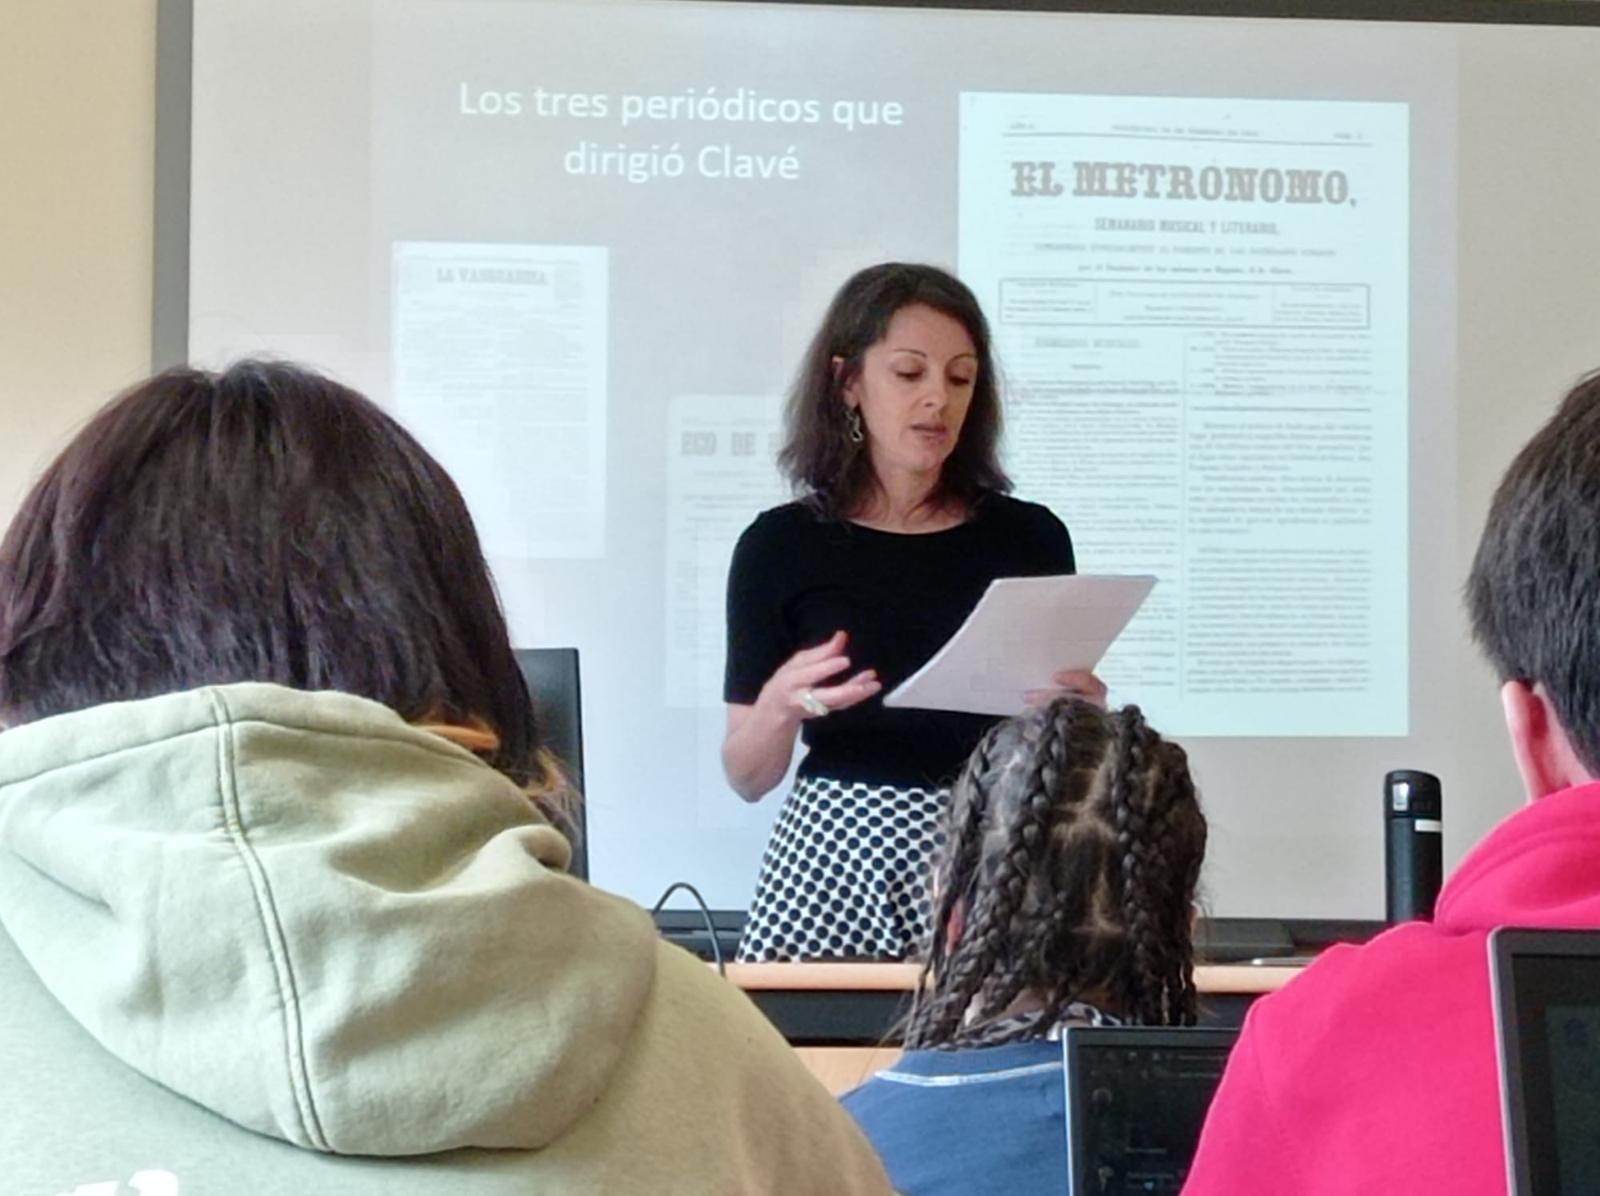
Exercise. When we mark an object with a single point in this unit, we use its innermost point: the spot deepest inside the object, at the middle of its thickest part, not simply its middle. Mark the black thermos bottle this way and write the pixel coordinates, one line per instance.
(1413, 844)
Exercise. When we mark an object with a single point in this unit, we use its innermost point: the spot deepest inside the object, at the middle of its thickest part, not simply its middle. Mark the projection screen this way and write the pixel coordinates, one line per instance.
(1274, 301)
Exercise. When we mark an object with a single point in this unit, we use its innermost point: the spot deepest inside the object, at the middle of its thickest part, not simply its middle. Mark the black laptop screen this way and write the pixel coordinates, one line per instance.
(1558, 1016)
(1138, 1110)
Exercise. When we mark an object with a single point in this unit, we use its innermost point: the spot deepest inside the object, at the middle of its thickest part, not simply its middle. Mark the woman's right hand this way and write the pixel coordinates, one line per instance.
(760, 740)
(785, 695)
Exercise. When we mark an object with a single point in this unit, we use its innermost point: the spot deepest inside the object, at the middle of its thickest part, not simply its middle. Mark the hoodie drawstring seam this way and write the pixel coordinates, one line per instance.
(272, 931)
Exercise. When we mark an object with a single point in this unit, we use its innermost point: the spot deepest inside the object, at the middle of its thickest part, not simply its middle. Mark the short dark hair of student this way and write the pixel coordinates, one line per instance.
(1072, 855)
(1534, 589)
(261, 524)
(831, 471)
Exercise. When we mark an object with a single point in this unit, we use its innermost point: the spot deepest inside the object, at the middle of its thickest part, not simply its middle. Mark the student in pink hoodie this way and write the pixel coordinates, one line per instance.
(1375, 1070)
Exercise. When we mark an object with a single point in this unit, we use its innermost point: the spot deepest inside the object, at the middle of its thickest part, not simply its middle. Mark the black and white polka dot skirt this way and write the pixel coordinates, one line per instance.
(845, 874)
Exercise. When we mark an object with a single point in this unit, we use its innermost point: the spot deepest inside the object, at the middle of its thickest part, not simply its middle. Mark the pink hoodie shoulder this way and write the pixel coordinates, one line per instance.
(1375, 1070)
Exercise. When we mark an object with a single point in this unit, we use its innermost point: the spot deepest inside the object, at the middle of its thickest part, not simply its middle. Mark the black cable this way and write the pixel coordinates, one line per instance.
(705, 913)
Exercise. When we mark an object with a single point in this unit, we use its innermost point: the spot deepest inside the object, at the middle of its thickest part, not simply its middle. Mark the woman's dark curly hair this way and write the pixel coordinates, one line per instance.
(1072, 854)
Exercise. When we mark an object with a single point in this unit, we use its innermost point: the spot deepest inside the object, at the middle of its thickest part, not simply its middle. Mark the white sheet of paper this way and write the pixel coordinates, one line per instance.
(1022, 632)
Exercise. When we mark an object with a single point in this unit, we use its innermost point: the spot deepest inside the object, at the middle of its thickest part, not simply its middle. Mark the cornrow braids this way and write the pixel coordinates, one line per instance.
(1161, 838)
(1045, 759)
(1183, 847)
(1003, 815)
(1043, 945)
(1073, 849)
(954, 871)
(1131, 819)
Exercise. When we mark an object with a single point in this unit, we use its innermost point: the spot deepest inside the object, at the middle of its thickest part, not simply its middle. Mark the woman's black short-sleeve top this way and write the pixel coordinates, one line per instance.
(796, 578)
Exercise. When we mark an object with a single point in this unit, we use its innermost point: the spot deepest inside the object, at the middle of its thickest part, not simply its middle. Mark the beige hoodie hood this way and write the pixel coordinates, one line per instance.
(316, 920)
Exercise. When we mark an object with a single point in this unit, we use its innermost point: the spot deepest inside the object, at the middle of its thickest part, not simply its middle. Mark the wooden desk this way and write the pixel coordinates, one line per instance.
(1214, 979)
(841, 1016)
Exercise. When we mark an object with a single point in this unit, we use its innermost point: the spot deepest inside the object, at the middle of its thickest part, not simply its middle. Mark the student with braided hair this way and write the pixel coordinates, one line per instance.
(1064, 895)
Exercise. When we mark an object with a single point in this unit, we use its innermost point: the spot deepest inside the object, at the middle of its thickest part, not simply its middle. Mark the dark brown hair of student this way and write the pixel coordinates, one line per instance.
(1073, 848)
(261, 524)
(834, 473)
(1534, 589)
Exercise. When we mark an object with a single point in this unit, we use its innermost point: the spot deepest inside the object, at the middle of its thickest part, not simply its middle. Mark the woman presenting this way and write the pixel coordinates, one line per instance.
(903, 521)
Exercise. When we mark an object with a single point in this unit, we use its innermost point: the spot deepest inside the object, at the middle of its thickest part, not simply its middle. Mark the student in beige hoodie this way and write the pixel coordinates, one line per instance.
(269, 925)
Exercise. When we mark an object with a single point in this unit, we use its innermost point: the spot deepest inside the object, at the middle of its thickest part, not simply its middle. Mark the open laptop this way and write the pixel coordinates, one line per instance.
(552, 678)
(1136, 1099)
(1546, 986)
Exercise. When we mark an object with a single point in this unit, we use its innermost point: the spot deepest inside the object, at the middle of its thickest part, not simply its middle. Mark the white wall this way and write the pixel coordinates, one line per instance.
(77, 85)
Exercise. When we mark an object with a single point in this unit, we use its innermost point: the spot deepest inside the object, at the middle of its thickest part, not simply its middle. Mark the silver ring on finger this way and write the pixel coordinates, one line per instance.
(813, 705)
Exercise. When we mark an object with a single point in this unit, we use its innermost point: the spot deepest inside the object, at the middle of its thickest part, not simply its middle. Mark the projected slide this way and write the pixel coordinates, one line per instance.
(500, 370)
(722, 465)
(579, 247)
(1201, 307)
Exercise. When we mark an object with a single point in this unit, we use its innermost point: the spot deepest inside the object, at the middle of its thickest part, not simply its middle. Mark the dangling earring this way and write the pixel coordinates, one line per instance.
(852, 424)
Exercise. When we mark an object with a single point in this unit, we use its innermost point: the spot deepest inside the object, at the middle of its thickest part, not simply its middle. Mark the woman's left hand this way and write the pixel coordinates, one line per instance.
(1078, 683)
